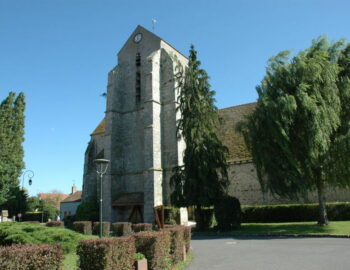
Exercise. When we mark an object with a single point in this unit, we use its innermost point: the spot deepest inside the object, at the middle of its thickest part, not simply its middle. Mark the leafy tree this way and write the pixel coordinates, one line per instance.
(203, 177)
(33, 204)
(17, 201)
(299, 132)
(49, 207)
(11, 139)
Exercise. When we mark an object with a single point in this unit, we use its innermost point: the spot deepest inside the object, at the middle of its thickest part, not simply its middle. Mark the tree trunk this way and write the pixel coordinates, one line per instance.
(322, 219)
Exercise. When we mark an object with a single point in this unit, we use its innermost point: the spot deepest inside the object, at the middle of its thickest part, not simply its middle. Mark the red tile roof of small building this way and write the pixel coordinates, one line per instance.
(75, 197)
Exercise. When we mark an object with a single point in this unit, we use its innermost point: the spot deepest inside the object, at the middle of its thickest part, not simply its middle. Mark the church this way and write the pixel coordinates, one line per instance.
(138, 136)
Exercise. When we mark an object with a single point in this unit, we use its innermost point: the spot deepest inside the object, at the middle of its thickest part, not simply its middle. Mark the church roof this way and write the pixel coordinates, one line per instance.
(229, 117)
(100, 129)
(234, 141)
(75, 197)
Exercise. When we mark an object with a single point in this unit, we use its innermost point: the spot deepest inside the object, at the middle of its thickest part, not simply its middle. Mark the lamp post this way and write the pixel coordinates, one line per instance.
(102, 165)
(30, 175)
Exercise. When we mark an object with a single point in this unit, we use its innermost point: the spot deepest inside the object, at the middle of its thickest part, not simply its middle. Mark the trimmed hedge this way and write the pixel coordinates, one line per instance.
(142, 227)
(35, 216)
(177, 243)
(228, 213)
(107, 253)
(84, 227)
(187, 230)
(55, 224)
(31, 257)
(156, 247)
(294, 212)
(105, 228)
(187, 237)
(121, 228)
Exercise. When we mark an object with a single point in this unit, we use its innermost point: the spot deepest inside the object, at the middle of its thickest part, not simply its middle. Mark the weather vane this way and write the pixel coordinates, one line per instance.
(154, 21)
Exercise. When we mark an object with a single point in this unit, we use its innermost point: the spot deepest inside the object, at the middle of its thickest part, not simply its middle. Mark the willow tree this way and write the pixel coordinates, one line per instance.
(299, 132)
(11, 139)
(203, 177)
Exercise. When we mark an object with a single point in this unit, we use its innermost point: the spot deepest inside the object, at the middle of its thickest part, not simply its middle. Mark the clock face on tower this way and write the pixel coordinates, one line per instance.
(137, 37)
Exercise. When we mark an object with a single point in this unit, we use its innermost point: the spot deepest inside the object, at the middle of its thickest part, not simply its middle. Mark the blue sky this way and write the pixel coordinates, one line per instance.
(59, 52)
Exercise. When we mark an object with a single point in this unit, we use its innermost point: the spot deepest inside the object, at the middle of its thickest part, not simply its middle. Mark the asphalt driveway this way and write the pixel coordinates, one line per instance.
(275, 253)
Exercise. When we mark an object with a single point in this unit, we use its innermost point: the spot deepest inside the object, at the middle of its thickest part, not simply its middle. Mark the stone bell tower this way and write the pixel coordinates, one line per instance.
(139, 133)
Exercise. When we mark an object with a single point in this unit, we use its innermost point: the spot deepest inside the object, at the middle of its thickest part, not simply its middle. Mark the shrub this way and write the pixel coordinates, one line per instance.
(121, 228)
(35, 216)
(187, 237)
(177, 242)
(31, 257)
(105, 228)
(204, 218)
(139, 256)
(87, 211)
(171, 215)
(107, 253)
(156, 247)
(21, 233)
(228, 213)
(55, 224)
(294, 212)
(68, 222)
(32, 222)
(84, 227)
(142, 227)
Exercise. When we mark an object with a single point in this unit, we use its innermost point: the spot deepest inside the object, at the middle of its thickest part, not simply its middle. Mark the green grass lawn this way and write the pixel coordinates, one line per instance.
(70, 261)
(293, 228)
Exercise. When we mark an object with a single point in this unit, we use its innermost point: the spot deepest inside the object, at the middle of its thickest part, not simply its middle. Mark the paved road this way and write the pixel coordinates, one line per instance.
(242, 253)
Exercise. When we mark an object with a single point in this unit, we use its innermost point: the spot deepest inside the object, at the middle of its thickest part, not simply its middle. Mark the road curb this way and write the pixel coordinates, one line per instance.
(278, 235)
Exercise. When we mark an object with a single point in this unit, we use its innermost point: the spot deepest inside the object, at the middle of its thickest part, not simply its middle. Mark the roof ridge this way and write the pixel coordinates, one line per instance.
(240, 105)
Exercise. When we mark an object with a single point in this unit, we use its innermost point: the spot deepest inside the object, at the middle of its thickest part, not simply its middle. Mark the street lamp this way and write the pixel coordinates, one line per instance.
(102, 165)
(29, 174)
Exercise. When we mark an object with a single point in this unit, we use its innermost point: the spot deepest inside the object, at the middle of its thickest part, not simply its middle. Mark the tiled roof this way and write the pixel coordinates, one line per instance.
(52, 196)
(229, 117)
(100, 128)
(234, 141)
(56, 198)
(75, 197)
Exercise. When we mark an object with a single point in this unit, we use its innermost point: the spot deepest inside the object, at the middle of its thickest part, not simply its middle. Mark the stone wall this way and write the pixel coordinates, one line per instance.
(69, 207)
(245, 186)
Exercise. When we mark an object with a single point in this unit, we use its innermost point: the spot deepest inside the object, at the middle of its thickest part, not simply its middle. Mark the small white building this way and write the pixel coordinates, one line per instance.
(68, 207)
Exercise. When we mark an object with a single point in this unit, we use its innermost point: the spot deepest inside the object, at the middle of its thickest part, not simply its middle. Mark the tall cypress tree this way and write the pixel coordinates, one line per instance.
(203, 177)
(11, 139)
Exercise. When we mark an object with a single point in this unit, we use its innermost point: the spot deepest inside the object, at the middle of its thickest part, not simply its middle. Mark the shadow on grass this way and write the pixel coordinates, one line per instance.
(284, 229)
(266, 229)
